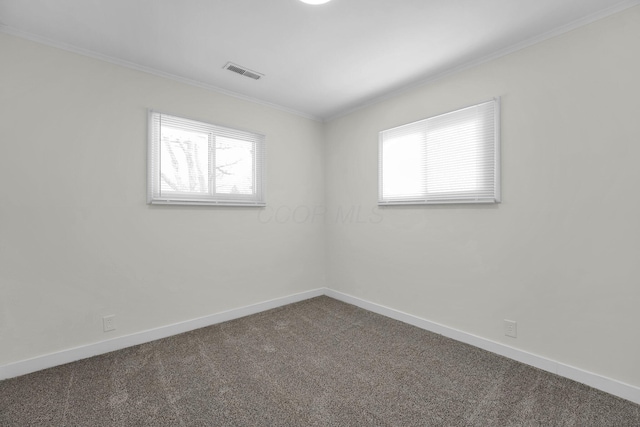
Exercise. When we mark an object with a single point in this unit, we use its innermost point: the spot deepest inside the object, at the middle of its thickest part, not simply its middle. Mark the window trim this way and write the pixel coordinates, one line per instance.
(154, 195)
(497, 197)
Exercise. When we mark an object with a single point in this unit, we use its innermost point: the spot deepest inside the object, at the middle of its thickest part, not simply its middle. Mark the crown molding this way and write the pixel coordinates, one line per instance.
(490, 57)
(149, 70)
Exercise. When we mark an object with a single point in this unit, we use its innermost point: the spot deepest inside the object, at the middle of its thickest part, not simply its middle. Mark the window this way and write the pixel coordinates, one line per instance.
(450, 158)
(198, 163)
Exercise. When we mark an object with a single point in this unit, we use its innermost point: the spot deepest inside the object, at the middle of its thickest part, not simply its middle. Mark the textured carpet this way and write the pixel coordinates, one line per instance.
(319, 362)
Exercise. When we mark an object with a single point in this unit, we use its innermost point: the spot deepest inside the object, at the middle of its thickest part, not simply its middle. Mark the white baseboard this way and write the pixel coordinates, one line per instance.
(608, 385)
(71, 355)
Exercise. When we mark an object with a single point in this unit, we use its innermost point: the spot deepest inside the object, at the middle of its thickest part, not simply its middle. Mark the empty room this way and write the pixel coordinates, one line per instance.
(319, 213)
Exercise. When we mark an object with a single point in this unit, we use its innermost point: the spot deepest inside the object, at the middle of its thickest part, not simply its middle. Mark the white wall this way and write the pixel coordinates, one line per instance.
(77, 239)
(561, 254)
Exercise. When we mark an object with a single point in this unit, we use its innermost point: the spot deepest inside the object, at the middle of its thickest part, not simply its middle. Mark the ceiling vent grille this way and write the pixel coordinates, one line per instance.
(243, 71)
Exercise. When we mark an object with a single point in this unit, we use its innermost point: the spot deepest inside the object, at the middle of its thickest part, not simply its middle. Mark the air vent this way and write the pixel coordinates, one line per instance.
(242, 71)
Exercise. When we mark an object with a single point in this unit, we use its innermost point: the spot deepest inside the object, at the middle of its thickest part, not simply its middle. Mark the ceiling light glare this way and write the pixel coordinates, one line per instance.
(315, 1)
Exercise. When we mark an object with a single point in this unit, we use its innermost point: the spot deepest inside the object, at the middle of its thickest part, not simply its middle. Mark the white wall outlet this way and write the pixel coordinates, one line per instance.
(109, 323)
(510, 328)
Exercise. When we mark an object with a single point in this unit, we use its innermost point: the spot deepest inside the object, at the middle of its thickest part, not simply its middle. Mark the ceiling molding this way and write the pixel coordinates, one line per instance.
(347, 108)
(495, 55)
(149, 70)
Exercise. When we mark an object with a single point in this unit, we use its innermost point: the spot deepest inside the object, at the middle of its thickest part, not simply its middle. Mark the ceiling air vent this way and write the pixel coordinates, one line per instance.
(242, 71)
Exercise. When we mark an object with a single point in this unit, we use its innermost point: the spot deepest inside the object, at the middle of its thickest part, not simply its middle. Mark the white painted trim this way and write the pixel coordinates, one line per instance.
(71, 355)
(608, 385)
(149, 70)
(619, 7)
(490, 57)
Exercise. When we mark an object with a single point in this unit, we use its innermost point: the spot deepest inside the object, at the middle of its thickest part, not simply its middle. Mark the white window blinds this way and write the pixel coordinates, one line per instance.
(192, 162)
(450, 158)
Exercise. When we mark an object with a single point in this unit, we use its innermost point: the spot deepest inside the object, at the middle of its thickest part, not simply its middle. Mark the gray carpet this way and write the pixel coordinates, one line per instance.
(319, 362)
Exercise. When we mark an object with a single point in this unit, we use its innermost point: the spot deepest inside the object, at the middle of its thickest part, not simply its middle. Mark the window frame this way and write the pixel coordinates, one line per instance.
(211, 198)
(470, 197)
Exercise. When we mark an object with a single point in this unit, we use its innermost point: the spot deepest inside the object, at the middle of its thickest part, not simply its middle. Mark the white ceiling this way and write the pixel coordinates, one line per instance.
(320, 61)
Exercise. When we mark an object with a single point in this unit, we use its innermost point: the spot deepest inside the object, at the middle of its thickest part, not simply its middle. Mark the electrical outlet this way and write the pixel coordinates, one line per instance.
(109, 323)
(510, 328)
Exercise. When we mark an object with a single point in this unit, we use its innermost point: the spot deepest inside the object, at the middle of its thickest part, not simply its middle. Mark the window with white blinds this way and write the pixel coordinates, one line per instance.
(450, 158)
(191, 162)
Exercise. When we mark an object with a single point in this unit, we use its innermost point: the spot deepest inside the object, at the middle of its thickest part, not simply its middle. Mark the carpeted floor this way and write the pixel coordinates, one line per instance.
(319, 362)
